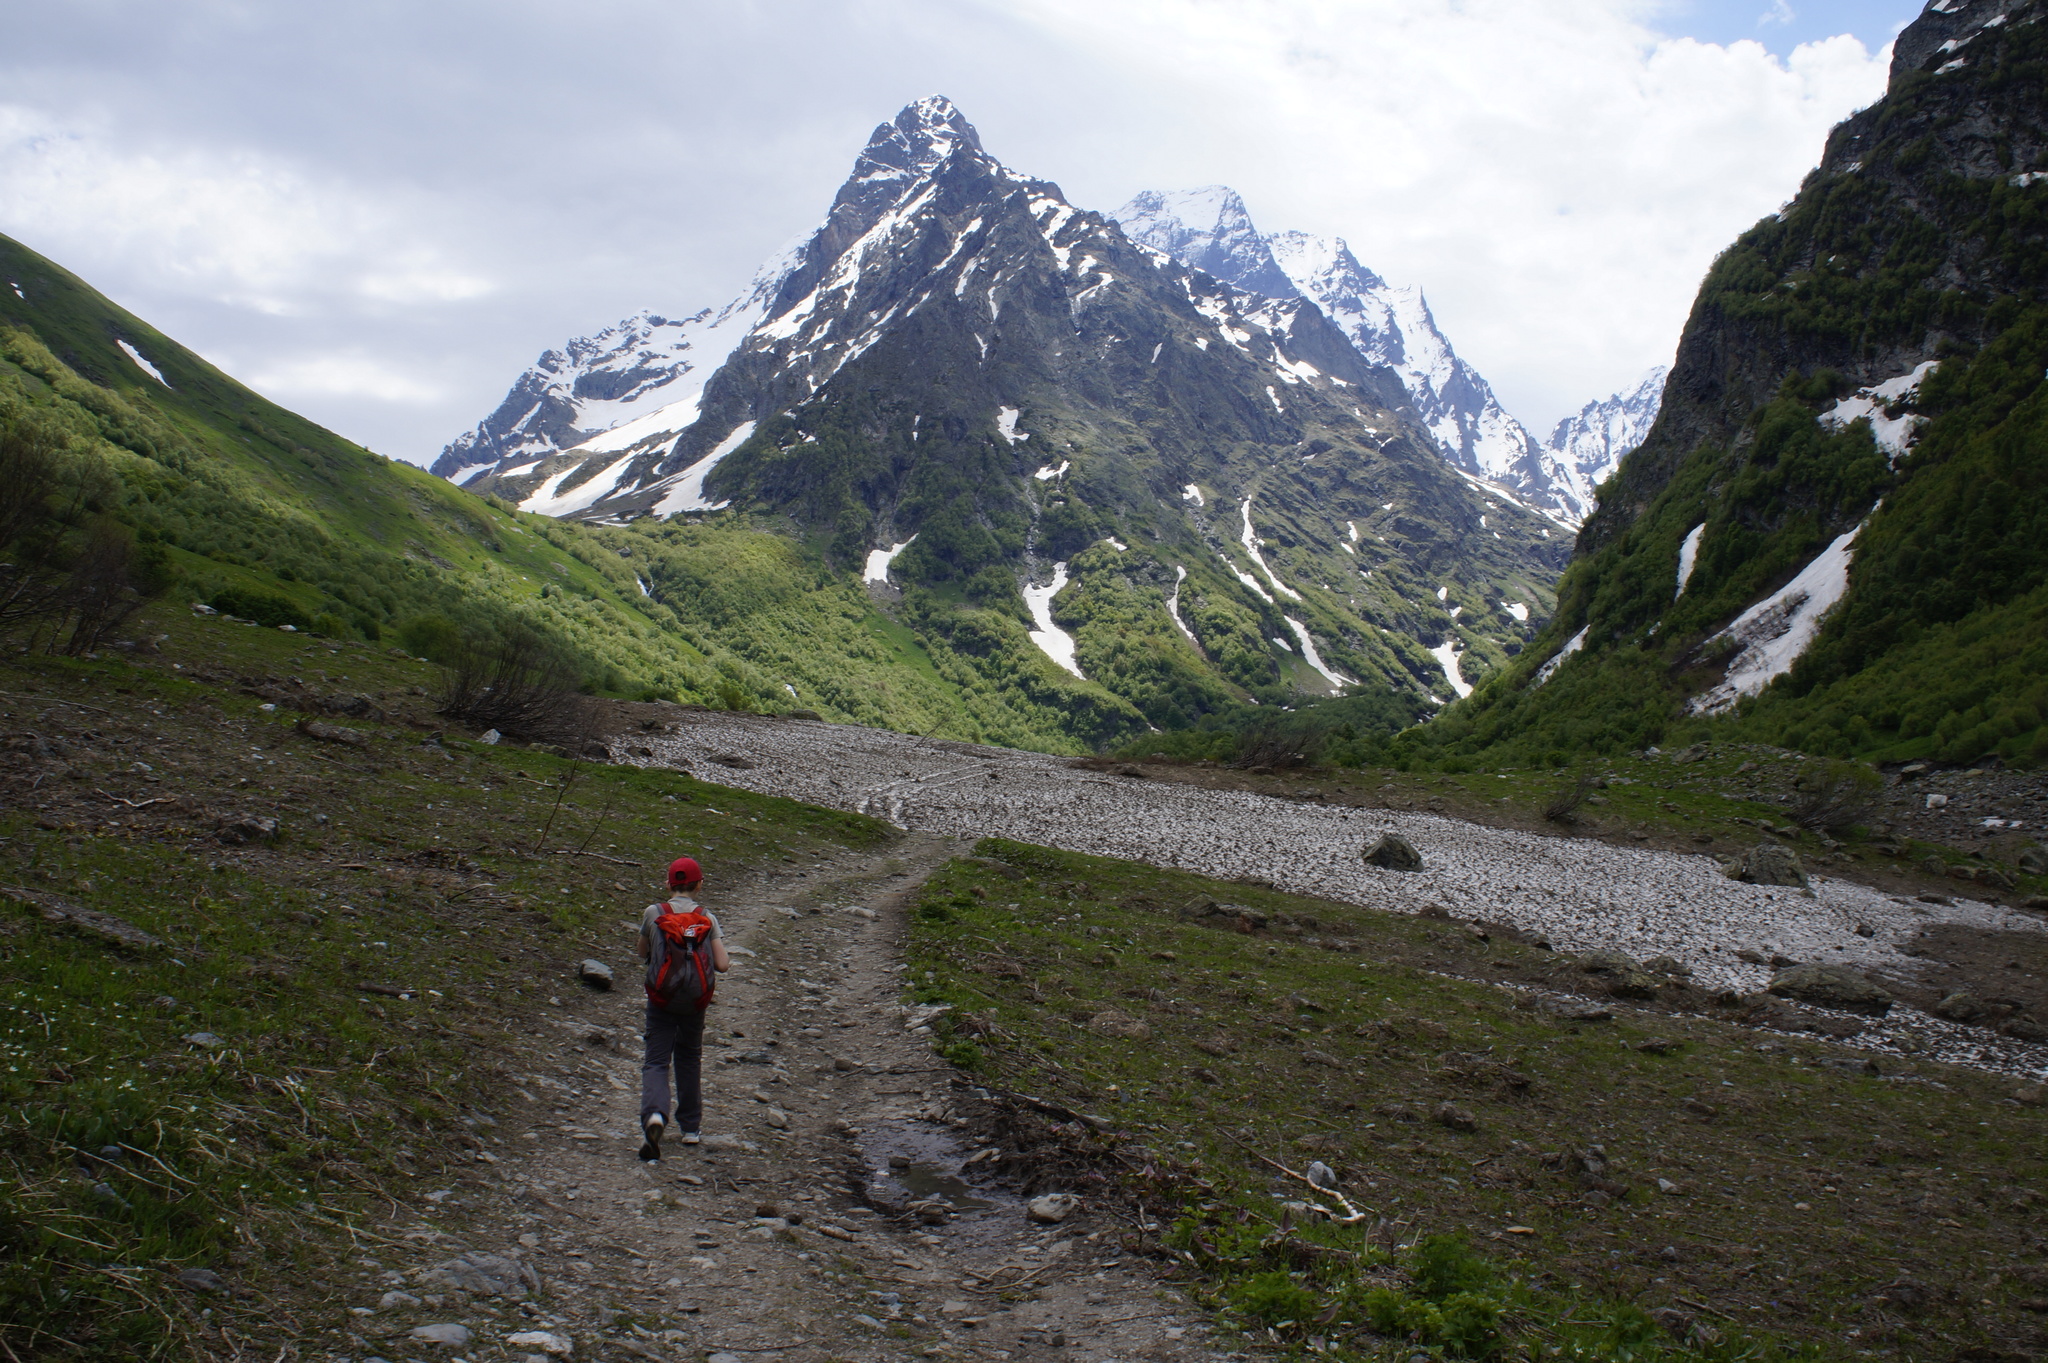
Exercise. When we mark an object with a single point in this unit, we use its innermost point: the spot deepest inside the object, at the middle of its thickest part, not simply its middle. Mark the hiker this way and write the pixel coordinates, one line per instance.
(684, 951)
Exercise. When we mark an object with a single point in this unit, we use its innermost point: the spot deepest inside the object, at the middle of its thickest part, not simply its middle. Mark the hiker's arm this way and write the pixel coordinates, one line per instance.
(720, 957)
(641, 945)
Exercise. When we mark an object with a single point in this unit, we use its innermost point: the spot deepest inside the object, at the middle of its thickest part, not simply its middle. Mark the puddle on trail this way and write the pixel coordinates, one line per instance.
(909, 1161)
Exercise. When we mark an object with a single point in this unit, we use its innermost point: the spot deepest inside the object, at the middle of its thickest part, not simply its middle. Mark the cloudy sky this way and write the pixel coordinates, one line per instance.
(378, 212)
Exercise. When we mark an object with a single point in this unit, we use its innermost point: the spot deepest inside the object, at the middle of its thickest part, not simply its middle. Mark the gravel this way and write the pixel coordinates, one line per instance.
(1579, 893)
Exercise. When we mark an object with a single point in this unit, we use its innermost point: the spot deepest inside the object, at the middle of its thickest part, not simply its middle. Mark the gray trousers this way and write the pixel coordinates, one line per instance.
(674, 1040)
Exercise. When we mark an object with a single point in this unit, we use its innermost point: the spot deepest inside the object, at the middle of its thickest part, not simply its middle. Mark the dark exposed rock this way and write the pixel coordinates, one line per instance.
(1393, 852)
(1832, 986)
(1770, 863)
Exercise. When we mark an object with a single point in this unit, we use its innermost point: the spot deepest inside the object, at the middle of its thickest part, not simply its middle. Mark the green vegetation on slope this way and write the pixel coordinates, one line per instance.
(331, 1018)
(1656, 1186)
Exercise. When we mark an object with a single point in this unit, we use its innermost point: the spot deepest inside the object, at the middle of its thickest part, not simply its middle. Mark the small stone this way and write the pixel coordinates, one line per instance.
(1321, 1175)
(595, 973)
(1121, 1025)
(206, 1040)
(845, 1063)
(453, 1335)
(489, 738)
(2034, 861)
(546, 1341)
(1052, 1208)
(1668, 965)
(1670, 1189)
(1865, 930)
(1454, 1117)
(393, 1301)
(1392, 852)
(778, 1119)
(202, 1280)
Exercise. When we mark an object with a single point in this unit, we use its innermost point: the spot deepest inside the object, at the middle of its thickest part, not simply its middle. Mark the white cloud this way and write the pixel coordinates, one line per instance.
(1556, 175)
(345, 374)
(448, 187)
(237, 226)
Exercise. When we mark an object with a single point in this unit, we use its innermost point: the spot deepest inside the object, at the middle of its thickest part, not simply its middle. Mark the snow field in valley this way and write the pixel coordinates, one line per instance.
(1579, 893)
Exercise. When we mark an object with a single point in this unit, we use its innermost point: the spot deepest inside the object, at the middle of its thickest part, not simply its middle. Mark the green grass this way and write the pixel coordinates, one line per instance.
(1799, 1190)
(407, 864)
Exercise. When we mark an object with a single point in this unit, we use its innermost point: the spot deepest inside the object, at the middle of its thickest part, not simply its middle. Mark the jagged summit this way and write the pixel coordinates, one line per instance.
(1211, 230)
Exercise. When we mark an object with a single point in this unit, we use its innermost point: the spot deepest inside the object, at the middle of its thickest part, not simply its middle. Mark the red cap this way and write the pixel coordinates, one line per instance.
(684, 873)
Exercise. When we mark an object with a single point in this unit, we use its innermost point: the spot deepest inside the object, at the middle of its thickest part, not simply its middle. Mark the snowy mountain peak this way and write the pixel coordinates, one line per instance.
(1391, 326)
(923, 134)
(1208, 229)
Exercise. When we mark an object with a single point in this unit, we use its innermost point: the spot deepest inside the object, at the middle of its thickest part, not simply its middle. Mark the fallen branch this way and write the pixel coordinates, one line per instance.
(576, 852)
(390, 991)
(137, 804)
(1352, 1215)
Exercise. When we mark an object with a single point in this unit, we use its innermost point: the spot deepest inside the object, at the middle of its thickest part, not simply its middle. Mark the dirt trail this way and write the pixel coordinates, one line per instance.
(766, 1240)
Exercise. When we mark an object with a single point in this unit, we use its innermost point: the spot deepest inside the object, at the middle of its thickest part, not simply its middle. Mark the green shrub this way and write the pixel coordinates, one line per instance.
(1445, 1265)
(430, 636)
(1274, 1299)
(961, 1054)
(265, 608)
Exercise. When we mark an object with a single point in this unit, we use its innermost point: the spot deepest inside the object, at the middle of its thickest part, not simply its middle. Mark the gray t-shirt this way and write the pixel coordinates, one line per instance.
(682, 903)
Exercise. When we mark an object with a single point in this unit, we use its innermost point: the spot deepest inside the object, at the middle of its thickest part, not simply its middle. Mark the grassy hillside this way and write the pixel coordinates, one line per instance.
(241, 503)
(321, 1025)
(1535, 1179)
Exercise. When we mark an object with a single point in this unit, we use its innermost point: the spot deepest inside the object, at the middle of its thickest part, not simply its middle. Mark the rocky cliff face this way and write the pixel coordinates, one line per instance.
(1836, 528)
(968, 387)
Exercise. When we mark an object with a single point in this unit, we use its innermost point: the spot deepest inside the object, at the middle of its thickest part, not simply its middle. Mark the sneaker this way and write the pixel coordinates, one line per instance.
(692, 1138)
(652, 1127)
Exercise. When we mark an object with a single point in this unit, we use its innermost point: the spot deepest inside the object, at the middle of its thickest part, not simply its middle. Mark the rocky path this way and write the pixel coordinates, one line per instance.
(822, 1218)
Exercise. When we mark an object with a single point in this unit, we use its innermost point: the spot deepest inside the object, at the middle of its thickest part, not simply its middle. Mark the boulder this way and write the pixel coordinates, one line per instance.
(1454, 1117)
(1607, 963)
(1668, 965)
(1831, 986)
(1959, 1007)
(1392, 852)
(2034, 861)
(1770, 863)
(596, 974)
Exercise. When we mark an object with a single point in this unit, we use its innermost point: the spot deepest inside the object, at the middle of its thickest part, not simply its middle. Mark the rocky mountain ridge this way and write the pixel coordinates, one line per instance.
(1210, 229)
(967, 387)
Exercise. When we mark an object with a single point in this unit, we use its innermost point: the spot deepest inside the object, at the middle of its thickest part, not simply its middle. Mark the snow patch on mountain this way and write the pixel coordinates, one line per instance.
(877, 569)
(686, 489)
(1053, 641)
(1894, 434)
(141, 360)
(1776, 631)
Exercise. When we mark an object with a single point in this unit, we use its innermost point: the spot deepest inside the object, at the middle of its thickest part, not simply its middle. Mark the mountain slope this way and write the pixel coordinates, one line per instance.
(1121, 484)
(1210, 229)
(1834, 534)
(248, 499)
